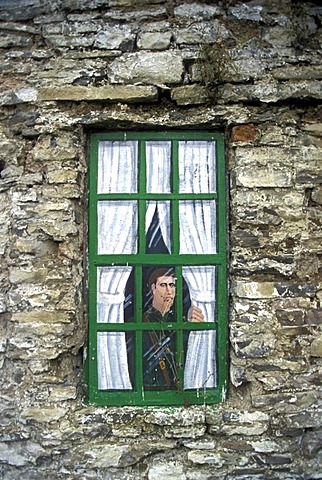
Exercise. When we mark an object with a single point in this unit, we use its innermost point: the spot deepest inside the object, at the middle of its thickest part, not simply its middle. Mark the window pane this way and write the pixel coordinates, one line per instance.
(197, 167)
(158, 293)
(201, 282)
(158, 167)
(157, 221)
(117, 167)
(200, 346)
(117, 227)
(201, 360)
(197, 226)
(115, 354)
(111, 284)
(160, 370)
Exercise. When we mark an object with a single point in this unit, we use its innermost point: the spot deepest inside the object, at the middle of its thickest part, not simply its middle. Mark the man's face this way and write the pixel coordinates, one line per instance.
(164, 292)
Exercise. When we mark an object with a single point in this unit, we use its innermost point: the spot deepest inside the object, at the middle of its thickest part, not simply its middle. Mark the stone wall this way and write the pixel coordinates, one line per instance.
(250, 69)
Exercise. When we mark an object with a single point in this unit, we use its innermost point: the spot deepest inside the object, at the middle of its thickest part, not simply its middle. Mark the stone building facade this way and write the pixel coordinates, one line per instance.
(249, 69)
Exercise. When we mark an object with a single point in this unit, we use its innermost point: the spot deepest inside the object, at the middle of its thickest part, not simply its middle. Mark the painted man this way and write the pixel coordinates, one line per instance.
(159, 362)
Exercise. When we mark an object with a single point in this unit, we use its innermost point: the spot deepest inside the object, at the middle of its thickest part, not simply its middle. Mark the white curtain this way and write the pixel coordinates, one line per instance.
(113, 372)
(197, 166)
(197, 173)
(117, 234)
(116, 227)
(201, 365)
(158, 167)
(117, 167)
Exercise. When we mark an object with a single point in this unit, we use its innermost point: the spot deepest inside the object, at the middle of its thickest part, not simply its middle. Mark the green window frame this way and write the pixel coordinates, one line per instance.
(141, 260)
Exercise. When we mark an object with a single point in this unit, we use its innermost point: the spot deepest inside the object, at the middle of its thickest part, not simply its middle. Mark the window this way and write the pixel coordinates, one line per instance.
(157, 269)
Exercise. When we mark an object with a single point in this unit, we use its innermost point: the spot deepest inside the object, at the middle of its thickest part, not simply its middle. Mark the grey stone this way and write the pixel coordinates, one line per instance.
(20, 453)
(115, 38)
(208, 32)
(250, 12)
(24, 95)
(270, 91)
(175, 417)
(154, 40)
(187, 11)
(167, 471)
(9, 40)
(311, 443)
(147, 68)
(317, 195)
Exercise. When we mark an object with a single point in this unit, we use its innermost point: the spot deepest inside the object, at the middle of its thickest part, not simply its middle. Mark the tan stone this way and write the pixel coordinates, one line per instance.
(115, 93)
(316, 347)
(43, 414)
(190, 95)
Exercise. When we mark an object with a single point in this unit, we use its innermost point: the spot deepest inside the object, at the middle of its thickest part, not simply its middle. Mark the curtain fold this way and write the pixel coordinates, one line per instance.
(117, 234)
(201, 365)
(197, 167)
(113, 370)
(117, 167)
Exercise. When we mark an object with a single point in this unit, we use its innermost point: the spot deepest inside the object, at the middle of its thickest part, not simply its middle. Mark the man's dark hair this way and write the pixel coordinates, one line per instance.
(160, 272)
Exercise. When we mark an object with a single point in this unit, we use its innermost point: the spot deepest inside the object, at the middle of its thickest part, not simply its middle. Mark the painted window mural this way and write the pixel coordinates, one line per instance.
(157, 265)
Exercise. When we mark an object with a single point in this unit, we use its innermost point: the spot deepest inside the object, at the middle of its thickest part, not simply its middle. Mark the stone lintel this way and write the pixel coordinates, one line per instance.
(109, 93)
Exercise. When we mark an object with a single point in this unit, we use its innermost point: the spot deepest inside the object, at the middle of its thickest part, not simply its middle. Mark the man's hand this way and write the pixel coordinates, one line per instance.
(195, 314)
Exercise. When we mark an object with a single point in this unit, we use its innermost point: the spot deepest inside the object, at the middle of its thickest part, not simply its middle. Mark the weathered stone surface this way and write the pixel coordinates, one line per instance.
(147, 68)
(245, 289)
(244, 133)
(201, 458)
(80, 66)
(311, 443)
(271, 92)
(298, 73)
(316, 347)
(20, 453)
(119, 456)
(23, 95)
(190, 95)
(175, 417)
(167, 471)
(184, 432)
(187, 10)
(43, 414)
(129, 94)
(270, 171)
(154, 40)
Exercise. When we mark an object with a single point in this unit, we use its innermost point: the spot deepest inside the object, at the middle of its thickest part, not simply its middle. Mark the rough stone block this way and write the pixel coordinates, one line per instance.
(156, 68)
(19, 454)
(111, 93)
(43, 414)
(154, 40)
(316, 347)
(247, 289)
(190, 95)
(244, 133)
(166, 471)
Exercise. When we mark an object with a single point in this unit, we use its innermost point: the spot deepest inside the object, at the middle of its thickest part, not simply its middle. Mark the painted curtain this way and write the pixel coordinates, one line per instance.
(117, 234)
